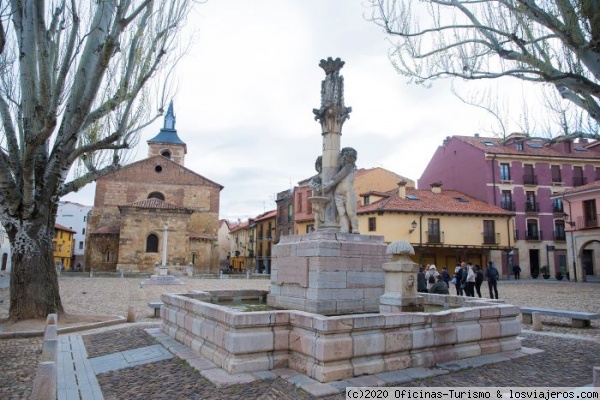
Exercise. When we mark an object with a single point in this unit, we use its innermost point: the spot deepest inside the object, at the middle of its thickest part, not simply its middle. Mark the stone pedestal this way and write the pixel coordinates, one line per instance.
(400, 281)
(328, 273)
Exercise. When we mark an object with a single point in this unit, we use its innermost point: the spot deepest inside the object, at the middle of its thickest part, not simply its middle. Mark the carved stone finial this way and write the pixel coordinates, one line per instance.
(330, 65)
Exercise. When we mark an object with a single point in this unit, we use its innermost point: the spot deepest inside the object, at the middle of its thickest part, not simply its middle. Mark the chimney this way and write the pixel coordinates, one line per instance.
(436, 187)
(402, 189)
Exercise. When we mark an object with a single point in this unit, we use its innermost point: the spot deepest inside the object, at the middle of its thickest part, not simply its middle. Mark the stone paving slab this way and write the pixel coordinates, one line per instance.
(75, 376)
(129, 358)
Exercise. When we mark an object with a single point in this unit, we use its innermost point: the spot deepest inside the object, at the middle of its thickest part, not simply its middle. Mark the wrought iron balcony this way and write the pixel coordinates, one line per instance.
(533, 235)
(508, 205)
(491, 238)
(531, 206)
(579, 181)
(588, 221)
(529, 179)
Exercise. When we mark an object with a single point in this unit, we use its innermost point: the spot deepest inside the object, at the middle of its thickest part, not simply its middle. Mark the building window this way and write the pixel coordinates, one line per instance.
(81, 245)
(372, 224)
(506, 201)
(194, 258)
(290, 212)
(157, 195)
(299, 207)
(84, 218)
(107, 256)
(557, 206)
(598, 173)
(152, 243)
(83, 231)
(556, 176)
(590, 214)
(533, 232)
(166, 154)
(310, 228)
(529, 178)
(489, 232)
(578, 179)
(504, 172)
(530, 203)
(433, 231)
(367, 200)
(559, 230)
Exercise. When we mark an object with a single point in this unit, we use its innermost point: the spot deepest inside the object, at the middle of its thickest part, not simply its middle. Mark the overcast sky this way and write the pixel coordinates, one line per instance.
(251, 79)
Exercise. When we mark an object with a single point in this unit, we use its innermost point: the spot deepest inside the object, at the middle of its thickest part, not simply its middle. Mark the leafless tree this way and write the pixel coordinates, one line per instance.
(75, 80)
(555, 43)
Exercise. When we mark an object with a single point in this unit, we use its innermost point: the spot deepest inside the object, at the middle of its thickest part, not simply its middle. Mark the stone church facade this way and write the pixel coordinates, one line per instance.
(155, 210)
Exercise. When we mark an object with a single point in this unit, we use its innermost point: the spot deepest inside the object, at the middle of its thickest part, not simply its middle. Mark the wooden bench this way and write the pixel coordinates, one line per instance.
(578, 319)
(156, 305)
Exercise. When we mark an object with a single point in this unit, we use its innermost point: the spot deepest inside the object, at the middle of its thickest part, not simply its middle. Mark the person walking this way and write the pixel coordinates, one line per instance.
(445, 276)
(458, 276)
(421, 281)
(517, 272)
(478, 279)
(431, 272)
(492, 278)
(463, 278)
(470, 283)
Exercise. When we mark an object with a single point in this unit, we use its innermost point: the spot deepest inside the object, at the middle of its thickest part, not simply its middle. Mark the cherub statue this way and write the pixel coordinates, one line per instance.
(344, 195)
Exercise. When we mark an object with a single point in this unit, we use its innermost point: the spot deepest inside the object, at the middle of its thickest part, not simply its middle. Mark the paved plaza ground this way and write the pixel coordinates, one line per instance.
(567, 357)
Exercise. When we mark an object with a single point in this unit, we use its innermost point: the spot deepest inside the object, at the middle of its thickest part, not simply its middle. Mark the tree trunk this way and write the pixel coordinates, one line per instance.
(33, 280)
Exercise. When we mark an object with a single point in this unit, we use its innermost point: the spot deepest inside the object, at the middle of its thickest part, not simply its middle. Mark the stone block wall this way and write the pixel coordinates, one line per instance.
(330, 348)
(328, 273)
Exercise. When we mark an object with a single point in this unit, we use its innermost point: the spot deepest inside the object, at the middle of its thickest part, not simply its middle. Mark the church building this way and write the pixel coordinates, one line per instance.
(155, 211)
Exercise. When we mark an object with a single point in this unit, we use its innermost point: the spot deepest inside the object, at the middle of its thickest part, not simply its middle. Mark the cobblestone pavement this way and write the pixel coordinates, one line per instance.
(565, 360)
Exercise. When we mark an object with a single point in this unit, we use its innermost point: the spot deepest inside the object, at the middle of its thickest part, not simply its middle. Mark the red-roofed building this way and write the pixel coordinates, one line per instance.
(519, 174)
(583, 229)
(155, 210)
(62, 246)
(443, 226)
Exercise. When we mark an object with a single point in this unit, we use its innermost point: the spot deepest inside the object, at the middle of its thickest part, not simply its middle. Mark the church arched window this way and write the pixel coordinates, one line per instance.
(107, 256)
(165, 153)
(194, 258)
(152, 243)
(156, 195)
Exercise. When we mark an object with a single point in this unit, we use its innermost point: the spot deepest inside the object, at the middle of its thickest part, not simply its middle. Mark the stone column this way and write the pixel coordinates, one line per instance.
(164, 247)
(400, 281)
(332, 114)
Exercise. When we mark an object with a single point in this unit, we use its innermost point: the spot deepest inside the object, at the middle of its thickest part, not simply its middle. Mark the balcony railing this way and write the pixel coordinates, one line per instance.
(531, 206)
(508, 205)
(491, 238)
(435, 237)
(588, 221)
(579, 181)
(558, 209)
(534, 235)
(529, 179)
(560, 236)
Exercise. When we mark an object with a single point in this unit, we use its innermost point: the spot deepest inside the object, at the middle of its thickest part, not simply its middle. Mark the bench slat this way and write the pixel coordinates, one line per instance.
(561, 313)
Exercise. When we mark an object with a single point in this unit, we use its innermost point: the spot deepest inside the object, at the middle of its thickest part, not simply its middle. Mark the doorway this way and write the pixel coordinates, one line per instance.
(587, 259)
(534, 262)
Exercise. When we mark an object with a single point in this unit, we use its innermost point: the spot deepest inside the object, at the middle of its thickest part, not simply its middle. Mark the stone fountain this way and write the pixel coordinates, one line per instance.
(344, 304)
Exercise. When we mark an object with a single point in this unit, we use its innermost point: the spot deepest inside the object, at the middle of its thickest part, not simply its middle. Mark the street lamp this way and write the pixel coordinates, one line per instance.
(413, 226)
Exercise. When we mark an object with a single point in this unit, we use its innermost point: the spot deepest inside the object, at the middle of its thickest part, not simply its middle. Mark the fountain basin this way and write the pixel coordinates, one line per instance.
(330, 348)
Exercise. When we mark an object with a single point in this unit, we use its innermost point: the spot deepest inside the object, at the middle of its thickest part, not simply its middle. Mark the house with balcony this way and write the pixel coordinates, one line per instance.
(62, 246)
(444, 227)
(520, 174)
(266, 229)
(365, 179)
(243, 247)
(582, 230)
(74, 216)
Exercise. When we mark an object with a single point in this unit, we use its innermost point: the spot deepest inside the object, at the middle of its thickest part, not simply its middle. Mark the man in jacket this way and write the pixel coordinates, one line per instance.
(492, 275)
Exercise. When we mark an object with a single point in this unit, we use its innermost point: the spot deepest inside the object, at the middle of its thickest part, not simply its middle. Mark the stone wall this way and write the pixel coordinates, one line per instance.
(339, 347)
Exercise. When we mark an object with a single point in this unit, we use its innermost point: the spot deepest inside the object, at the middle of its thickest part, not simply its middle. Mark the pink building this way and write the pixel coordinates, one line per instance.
(583, 229)
(520, 174)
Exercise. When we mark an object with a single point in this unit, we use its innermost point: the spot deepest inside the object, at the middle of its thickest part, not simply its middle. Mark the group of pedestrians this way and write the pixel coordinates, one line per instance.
(468, 279)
